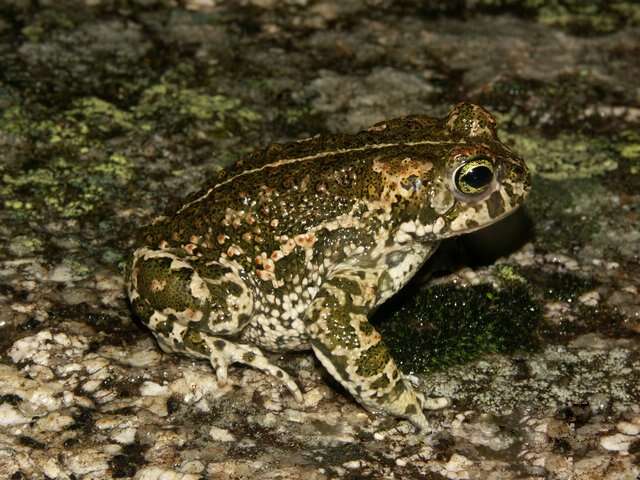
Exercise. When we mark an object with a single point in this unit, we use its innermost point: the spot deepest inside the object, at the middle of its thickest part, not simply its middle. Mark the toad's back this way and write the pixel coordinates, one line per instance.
(288, 190)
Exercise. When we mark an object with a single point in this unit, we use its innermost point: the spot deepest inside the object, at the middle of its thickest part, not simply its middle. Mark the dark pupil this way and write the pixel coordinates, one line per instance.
(478, 176)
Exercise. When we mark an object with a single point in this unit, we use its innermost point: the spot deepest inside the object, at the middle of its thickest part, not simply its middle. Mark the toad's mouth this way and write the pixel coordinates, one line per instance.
(504, 201)
(486, 224)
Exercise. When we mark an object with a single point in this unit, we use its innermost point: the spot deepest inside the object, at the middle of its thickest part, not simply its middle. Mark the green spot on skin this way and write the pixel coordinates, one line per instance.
(351, 287)
(249, 357)
(164, 327)
(233, 289)
(164, 287)
(194, 341)
(340, 331)
(373, 360)
(381, 383)
(427, 216)
(366, 328)
(143, 310)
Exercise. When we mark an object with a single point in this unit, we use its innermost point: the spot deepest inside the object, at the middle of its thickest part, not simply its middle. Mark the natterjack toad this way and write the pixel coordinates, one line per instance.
(295, 246)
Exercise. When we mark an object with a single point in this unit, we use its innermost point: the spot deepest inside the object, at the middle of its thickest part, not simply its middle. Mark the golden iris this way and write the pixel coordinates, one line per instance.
(474, 176)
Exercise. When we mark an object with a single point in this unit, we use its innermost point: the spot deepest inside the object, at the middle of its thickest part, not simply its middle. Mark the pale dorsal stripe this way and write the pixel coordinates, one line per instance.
(340, 151)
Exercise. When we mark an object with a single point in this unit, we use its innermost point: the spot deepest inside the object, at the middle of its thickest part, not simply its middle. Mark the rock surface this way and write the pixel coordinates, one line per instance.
(112, 110)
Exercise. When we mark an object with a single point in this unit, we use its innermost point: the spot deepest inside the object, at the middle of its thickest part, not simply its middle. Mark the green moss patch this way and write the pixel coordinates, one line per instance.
(447, 325)
(560, 286)
(207, 115)
(73, 163)
(567, 156)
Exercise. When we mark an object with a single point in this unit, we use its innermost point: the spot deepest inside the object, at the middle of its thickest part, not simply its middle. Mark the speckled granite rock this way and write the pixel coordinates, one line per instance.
(109, 111)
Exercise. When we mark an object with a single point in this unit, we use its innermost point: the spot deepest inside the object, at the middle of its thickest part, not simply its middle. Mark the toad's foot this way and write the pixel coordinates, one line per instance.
(221, 353)
(253, 357)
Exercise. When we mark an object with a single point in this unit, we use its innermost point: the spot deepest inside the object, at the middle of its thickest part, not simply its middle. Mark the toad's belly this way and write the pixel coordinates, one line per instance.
(277, 333)
(278, 322)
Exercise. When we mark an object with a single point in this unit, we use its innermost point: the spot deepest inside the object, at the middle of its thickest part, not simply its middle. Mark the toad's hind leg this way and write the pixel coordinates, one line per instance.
(190, 304)
(352, 350)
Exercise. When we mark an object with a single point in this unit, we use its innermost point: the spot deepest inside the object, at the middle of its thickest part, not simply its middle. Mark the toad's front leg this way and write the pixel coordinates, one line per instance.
(353, 352)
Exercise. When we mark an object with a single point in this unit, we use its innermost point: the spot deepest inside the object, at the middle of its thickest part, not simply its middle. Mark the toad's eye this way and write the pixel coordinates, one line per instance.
(474, 176)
